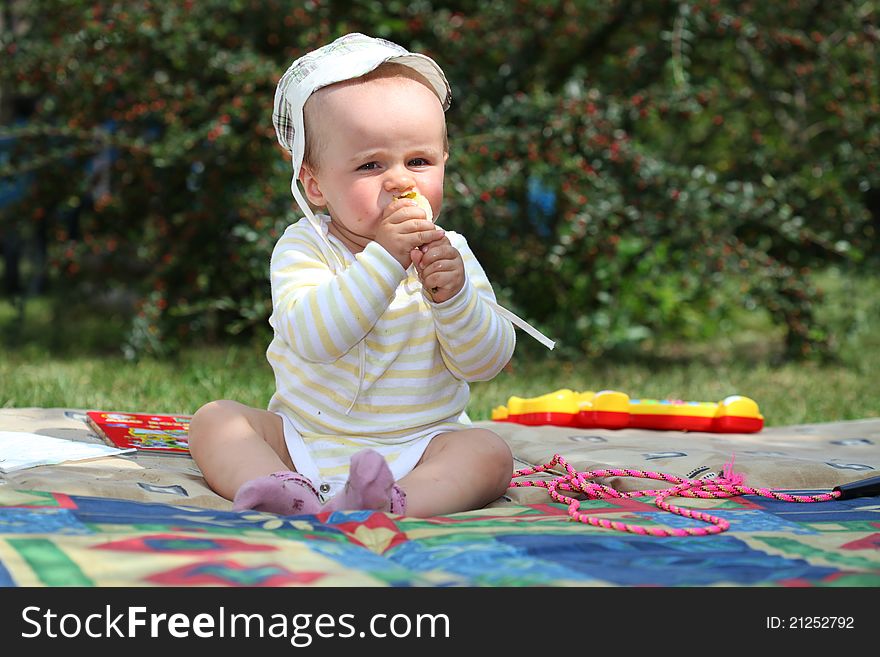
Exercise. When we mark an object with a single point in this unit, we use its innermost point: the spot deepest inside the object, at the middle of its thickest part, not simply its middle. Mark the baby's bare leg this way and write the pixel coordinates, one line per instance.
(233, 443)
(459, 471)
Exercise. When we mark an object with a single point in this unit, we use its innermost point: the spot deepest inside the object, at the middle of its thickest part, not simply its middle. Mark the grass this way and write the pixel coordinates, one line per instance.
(787, 394)
(47, 368)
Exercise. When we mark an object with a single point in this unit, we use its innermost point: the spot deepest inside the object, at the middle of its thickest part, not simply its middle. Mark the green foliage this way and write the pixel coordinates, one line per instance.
(180, 94)
(703, 155)
(695, 158)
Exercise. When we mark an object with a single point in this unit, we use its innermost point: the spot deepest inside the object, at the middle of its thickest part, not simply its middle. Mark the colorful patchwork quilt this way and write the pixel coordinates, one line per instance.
(150, 520)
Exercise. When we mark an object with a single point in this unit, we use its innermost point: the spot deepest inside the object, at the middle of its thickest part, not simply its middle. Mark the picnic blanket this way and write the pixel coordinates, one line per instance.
(151, 520)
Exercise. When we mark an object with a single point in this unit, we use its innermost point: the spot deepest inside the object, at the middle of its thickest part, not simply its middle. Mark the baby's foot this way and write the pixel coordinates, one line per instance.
(398, 500)
(287, 493)
(370, 485)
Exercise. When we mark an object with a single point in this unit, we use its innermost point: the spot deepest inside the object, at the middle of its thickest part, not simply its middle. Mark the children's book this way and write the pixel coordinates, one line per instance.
(160, 434)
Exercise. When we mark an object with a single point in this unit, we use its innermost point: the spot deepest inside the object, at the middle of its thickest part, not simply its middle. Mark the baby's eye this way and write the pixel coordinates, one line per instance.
(369, 166)
(419, 162)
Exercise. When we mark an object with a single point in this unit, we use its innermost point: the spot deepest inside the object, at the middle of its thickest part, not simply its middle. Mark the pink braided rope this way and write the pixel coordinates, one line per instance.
(727, 485)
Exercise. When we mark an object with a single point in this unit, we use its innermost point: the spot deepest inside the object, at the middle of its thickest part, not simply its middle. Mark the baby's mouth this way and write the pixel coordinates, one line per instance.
(420, 200)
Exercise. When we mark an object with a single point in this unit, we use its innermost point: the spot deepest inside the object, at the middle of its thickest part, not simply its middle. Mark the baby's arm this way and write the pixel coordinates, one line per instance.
(323, 314)
(475, 341)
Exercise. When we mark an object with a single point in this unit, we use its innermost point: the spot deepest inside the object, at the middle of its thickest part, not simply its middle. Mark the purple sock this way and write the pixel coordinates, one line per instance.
(370, 485)
(398, 500)
(287, 493)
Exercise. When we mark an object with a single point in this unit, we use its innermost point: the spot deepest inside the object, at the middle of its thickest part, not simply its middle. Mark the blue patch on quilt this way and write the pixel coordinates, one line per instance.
(858, 508)
(640, 560)
(123, 512)
(483, 562)
(41, 521)
(740, 520)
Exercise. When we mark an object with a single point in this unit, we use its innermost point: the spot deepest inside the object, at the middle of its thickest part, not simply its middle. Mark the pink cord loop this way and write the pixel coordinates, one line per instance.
(729, 484)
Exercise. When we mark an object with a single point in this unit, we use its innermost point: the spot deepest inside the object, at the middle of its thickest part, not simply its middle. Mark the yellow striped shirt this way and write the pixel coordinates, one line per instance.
(418, 356)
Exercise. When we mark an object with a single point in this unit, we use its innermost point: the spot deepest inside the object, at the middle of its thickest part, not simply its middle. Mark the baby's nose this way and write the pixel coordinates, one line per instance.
(398, 183)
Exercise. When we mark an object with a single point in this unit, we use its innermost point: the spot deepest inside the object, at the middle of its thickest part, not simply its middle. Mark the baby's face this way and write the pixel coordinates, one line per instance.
(377, 139)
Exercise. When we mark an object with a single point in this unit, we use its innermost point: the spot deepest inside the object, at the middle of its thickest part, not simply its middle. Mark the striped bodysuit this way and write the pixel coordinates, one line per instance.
(363, 358)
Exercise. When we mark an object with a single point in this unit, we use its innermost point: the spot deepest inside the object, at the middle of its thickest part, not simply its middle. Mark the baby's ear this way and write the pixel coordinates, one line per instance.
(312, 187)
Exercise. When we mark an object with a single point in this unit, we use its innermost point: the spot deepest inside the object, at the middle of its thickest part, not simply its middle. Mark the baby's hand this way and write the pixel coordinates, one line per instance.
(440, 268)
(404, 228)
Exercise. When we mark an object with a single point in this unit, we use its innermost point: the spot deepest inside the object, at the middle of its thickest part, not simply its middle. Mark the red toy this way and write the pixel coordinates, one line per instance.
(609, 409)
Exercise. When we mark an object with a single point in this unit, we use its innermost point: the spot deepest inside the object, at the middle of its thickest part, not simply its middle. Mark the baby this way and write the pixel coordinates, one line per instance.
(380, 317)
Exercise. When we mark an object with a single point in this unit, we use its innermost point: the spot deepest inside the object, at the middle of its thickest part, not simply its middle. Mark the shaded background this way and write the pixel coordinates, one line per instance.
(627, 172)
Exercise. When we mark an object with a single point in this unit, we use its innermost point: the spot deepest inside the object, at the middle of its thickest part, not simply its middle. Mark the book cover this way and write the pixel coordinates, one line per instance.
(146, 432)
